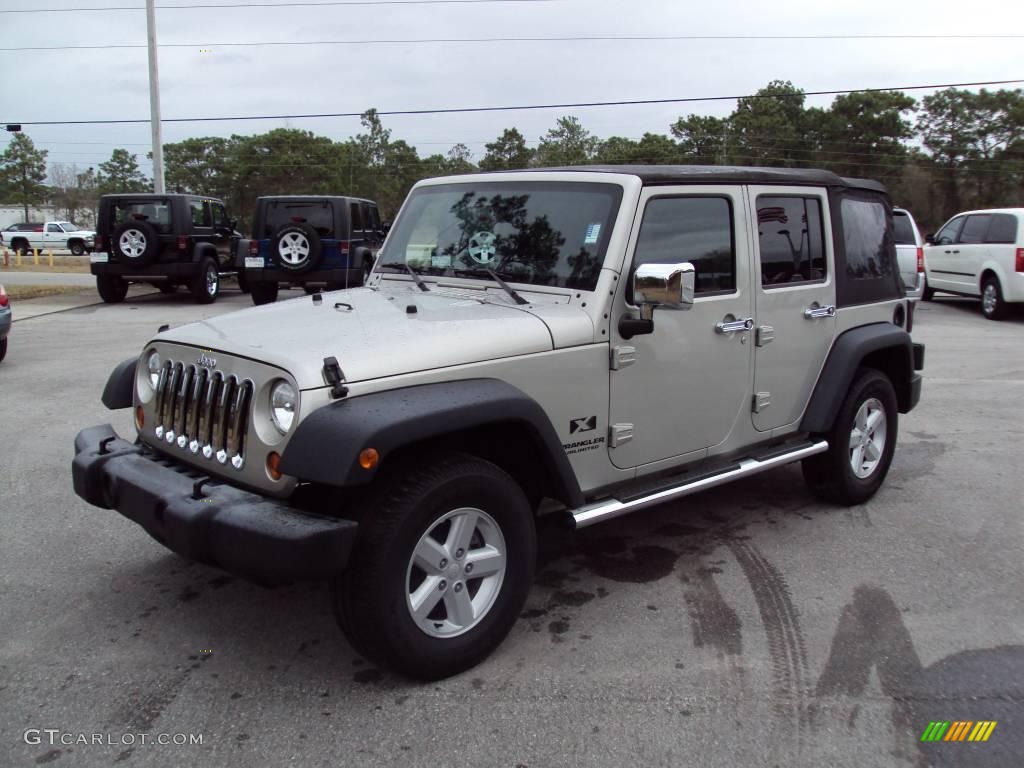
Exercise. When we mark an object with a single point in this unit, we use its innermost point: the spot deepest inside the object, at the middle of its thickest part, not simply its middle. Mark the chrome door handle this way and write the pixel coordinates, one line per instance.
(812, 313)
(731, 326)
(953, 251)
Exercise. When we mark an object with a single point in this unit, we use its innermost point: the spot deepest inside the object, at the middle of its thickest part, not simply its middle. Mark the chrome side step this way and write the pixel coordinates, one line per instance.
(608, 509)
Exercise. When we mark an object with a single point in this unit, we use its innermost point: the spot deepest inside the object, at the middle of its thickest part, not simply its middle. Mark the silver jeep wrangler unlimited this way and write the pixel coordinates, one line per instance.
(587, 341)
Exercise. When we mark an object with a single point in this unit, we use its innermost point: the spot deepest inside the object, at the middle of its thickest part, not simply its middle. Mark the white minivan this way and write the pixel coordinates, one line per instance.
(978, 253)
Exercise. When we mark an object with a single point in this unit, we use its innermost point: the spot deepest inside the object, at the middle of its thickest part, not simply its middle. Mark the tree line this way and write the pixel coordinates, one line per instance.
(953, 150)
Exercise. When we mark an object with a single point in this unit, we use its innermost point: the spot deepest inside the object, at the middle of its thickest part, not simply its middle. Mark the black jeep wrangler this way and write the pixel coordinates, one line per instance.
(164, 239)
(313, 241)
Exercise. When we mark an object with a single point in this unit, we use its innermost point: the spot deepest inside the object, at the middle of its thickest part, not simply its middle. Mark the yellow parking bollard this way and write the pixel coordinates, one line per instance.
(35, 256)
(49, 253)
(17, 258)
(7, 258)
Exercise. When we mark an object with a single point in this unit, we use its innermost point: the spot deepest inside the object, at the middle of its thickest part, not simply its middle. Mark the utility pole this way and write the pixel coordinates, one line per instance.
(154, 100)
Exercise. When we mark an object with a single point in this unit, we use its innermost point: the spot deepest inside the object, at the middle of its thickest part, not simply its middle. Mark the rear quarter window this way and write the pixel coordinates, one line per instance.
(1002, 229)
(868, 249)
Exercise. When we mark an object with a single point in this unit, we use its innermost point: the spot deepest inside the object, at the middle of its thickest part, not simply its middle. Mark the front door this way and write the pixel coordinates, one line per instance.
(684, 387)
(794, 297)
(222, 233)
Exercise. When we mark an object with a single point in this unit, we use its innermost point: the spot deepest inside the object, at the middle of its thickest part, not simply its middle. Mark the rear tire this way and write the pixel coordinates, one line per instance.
(425, 523)
(992, 305)
(367, 269)
(263, 293)
(206, 285)
(861, 443)
(3, 348)
(243, 281)
(112, 288)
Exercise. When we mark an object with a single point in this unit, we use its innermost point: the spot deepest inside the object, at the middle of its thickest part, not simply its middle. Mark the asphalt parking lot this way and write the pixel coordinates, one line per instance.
(749, 625)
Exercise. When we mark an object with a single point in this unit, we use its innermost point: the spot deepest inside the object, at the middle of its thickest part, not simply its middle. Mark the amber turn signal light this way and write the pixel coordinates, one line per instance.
(140, 418)
(273, 465)
(368, 458)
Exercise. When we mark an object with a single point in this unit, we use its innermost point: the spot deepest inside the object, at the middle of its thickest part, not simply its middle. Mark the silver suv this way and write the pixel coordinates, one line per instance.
(583, 341)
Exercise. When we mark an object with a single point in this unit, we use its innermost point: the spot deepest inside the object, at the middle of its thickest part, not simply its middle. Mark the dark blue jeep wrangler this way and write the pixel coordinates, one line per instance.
(313, 241)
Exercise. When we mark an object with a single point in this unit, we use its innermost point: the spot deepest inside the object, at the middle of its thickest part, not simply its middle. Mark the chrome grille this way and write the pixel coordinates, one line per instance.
(203, 412)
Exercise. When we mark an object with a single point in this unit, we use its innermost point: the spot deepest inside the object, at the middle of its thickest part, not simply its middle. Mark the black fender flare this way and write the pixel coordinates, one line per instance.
(848, 352)
(120, 389)
(326, 445)
(203, 250)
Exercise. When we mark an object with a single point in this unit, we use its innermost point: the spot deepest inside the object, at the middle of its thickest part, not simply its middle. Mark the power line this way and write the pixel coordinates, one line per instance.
(270, 5)
(523, 107)
(459, 40)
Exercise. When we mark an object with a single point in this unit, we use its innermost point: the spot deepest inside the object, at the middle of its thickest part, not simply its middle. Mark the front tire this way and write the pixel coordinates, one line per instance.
(861, 443)
(206, 284)
(76, 248)
(992, 305)
(3, 349)
(441, 569)
(112, 288)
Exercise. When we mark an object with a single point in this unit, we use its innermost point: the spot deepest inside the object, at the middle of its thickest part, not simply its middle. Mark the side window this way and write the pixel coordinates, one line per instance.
(866, 235)
(974, 230)
(364, 212)
(357, 219)
(53, 228)
(1002, 228)
(220, 217)
(948, 233)
(374, 218)
(694, 229)
(791, 240)
(200, 213)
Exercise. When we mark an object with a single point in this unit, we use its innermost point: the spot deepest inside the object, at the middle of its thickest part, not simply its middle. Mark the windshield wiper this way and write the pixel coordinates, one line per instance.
(420, 282)
(497, 278)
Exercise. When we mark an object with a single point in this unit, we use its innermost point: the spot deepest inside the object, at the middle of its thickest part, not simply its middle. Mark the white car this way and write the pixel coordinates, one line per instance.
(51, 234)
(909, 251)
(978, 253)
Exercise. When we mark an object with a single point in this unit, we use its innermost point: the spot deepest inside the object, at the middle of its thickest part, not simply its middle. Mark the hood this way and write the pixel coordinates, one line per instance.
(380, 335)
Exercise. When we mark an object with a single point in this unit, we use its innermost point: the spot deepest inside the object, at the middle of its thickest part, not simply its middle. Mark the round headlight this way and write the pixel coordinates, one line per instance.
(153, 368)
(282, 406)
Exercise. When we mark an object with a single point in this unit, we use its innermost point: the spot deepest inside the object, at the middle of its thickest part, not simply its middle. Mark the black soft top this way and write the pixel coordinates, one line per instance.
(653, 175)
(314, 198)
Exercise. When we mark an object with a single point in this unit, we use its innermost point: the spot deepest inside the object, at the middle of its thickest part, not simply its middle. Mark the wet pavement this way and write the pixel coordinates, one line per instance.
(749, 625)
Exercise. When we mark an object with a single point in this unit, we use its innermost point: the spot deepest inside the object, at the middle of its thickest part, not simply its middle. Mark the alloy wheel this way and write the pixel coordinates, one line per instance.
(867, 438)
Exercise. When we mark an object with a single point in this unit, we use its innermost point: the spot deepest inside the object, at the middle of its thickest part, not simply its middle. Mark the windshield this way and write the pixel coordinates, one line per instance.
(541, 233)
(316, 213)
(903, 229)
(67, 226)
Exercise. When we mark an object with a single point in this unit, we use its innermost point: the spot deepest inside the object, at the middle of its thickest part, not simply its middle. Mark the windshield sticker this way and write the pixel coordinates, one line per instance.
(593, 234)
(442, 261)
(482, 248)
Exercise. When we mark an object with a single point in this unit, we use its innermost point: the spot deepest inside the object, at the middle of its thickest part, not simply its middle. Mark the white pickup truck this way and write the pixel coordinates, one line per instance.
(50, 234)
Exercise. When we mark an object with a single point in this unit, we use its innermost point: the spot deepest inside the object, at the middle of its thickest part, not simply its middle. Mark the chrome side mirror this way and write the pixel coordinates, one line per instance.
(664, 285)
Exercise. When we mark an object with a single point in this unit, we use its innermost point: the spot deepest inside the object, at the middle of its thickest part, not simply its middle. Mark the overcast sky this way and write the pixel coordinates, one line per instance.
(95, 84)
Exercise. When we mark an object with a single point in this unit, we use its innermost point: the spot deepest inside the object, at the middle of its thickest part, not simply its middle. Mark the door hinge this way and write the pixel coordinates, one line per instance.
(619, 434)
(623, 356)
(761, 401)
(765, 335)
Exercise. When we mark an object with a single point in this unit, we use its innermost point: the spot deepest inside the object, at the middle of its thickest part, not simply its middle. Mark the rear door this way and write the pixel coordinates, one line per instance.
(222, 233)
(202, 220)
(794, 290)
(685, 387)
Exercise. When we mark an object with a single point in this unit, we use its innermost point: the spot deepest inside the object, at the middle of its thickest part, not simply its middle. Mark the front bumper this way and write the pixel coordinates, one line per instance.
(244, 533)
(157, 270)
